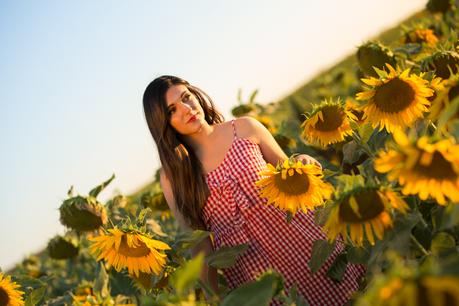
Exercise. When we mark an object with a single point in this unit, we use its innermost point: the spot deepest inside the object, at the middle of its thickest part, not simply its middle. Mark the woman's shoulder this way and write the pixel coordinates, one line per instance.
(248, 127)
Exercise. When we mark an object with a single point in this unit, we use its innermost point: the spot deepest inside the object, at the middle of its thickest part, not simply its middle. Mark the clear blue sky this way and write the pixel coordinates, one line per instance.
(72, 75)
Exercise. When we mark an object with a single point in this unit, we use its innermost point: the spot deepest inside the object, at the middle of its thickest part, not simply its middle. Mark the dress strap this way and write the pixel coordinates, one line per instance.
(234, 129)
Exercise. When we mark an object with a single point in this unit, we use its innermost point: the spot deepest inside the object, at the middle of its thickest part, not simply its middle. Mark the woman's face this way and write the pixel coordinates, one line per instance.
(183, 110)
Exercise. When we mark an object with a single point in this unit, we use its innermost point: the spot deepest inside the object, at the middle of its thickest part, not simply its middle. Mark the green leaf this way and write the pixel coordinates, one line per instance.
(351, 152)
(143, 214)
(288, 217)
(448, 113)
(321, 250)
(337, 269)
(409, 48)
(294, 298)
(257, 293)
(398, 239)
(380, 73)
(206, 288)
(448, 217)
(186, 276)
(328, 173)
(32, 282)
(70, 192)
(450, 264)
(365, 132)
(357, 255)
(252, 96)
(442, 242)
(453, 129)
(95, 191)
(354, 125)
(348, 182)
(35, 296)
(225, 257)
(101, 282)
(189, 239)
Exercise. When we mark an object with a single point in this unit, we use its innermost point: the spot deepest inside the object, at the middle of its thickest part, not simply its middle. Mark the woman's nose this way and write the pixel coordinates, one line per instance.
(185, 107)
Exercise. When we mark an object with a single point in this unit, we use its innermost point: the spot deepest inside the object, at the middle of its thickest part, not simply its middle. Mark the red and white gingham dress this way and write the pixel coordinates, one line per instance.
(235, 214)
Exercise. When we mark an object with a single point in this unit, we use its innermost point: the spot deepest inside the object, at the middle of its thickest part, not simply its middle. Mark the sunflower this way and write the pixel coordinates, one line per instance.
(429, 290)
(9, 293)
(242, 109)
(356, 110)
(439, 6)
(374, 54)
(83, 293)
(62, 248)
(131, 249)
(157, 203)
(444, 63)
(445, 92)
(396, 99)
(284, 141)
(363, 209)
(83, 213)
(329, 122)
(426, 36)
(292, 186)
(423, 168)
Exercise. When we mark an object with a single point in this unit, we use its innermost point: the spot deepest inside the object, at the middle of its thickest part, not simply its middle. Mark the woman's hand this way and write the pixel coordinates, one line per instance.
(306, 159)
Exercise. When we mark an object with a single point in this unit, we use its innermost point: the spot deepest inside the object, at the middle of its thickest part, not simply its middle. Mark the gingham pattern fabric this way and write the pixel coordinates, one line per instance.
(235, 214)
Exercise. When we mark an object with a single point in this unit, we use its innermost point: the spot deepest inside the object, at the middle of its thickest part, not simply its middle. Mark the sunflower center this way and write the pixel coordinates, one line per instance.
(4, 298)
(369, 205)
(443, 63)
(333, 118)
(394, 96)
(140, 250)
(453, 92)
(439, 168)
(293, 185)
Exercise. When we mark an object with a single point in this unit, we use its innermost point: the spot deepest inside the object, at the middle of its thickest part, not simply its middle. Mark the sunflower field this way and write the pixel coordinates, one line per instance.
(384, 124)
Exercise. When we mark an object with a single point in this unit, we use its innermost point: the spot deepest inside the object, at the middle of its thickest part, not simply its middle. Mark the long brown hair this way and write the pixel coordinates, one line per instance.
(179, 162)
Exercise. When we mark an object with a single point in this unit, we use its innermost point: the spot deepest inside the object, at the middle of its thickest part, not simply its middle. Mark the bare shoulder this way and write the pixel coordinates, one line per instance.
(249, 127)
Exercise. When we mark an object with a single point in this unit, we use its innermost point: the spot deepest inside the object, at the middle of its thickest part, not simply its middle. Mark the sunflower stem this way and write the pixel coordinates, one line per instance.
(368, 150)
(111, 222)
(419, 245)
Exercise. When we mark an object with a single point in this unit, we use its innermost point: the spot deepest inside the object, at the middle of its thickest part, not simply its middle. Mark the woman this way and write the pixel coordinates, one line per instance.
(208, 172)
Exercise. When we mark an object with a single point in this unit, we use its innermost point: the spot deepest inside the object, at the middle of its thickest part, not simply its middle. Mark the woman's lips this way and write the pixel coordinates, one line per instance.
(193, 118)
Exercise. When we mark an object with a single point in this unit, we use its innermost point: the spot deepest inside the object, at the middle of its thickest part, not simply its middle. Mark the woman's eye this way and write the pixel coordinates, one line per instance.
(186, 98)
(171, 111)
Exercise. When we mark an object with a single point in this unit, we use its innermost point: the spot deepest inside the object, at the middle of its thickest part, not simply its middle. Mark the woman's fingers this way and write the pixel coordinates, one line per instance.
(306, 159)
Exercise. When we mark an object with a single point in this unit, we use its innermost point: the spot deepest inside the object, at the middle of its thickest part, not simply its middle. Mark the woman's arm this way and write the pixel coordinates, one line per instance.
(251, 128)
(208, 274)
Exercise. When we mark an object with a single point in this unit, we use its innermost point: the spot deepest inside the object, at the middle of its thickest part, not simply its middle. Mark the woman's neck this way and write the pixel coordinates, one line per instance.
(202, 139)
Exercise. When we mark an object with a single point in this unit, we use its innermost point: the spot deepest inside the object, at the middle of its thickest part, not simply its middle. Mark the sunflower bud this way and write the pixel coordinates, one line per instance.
(143, 280)
(284, 141)
(242, 110)
(156, 202)
(442, 62)
(82, 214)
(439, 6)
(420, 36)
(61, 248)
(372, 55)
